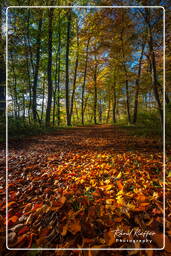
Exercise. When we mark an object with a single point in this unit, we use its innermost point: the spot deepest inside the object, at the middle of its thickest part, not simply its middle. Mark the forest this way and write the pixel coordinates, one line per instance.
(88, 99)
(78, 66)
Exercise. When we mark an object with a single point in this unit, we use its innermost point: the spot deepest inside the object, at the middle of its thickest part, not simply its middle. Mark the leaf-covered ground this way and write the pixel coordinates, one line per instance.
(74, 188)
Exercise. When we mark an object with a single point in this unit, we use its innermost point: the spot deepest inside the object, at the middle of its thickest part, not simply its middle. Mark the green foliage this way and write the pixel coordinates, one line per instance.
(168, 120)
(18, 128)
(149, 120)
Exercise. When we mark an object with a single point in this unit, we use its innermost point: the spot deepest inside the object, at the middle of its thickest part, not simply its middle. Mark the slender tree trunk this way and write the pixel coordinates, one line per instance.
(30, 91)
(85, 104)
(100, 111)
(49, 67)
(59, 67)
(127, 100)
(109, 106)
(16, 103)
(95, 94)
(29, 43)
(76, 111)
(154, 77)
(126, 78)
(24, 108)
(55, 89)
(114, 103)
(137, 85)
(158, 83)
(57, 78)
(74, 87)
(147, 17)
(75, 78)
(36, 71)
(2, 71)
(67, 69)
(166, 95)
(84, 82)
(43, 100)
(29, 79)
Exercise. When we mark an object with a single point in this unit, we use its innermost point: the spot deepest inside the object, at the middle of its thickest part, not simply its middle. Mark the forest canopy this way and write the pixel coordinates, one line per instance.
(70, 66)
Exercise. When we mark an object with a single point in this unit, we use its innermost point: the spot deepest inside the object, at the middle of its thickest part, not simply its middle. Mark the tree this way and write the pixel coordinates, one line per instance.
(67, 69)
(2, 70)
(49, 67)
(36, 68)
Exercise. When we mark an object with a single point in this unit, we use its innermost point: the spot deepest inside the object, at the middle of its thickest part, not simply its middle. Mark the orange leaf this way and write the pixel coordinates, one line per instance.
(37, 206)
(74, 227)
(13, 219)
(62, 199)
(119, 219)
(141, 197)
(109, 238)
(11, 203)
(144, 204)
(119, 184)
(23, 230)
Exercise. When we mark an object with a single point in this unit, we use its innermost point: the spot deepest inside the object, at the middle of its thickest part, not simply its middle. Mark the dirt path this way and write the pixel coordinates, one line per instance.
(99, 138)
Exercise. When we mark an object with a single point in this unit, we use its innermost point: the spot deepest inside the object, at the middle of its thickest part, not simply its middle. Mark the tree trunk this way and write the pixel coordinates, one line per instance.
(43, 100)
(108, 111)
(126, 78)
(95, 94)
(2, 72)
(55, 89)
(36, 71)
(74, 87)
(147, 17)
(166, 95)
(67, 69)
(127, 101)
(59, 66)
(49, 67)
(114, 103)
(16, 104)
(24, 108)
(137, 86)
(154, 76)
(84, 82)
(57, 78)
(100, 111)
(75, 78)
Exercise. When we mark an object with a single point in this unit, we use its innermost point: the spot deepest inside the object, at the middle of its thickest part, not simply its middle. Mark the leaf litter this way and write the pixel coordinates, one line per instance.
(75, 189)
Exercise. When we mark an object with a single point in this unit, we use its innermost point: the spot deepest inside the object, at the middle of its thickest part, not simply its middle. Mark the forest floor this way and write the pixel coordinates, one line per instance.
(75, 187)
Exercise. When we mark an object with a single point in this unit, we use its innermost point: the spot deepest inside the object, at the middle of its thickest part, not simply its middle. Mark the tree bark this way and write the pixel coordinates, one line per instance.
(49, 67)
(147, 17)
(67, 70)
(75, 78)
(114, 102)
(109, 106)
(57, 79)
(154, 74)
(74, 87)
(84, 83)
(95, 94)
(137, 85)
(36, 71)
(2, 71)
(126, 78)
(16, 104)
(59, 67)
(43, 101)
